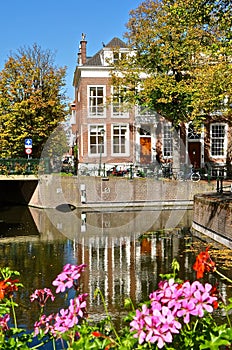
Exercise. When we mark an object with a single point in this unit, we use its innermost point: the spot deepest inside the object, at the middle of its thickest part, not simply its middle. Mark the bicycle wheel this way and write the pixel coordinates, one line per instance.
(195, 177)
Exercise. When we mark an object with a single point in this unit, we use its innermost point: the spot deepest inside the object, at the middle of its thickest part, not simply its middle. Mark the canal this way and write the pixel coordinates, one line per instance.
(125, 252)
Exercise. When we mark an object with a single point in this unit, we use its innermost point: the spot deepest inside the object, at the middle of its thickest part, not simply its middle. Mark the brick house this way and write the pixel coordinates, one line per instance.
(108, 134)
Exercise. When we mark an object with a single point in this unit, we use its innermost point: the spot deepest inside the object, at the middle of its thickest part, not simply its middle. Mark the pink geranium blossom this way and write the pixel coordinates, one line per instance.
(171, 306)
(3, 322)
(68, 277)
(42, 295)
(45, 324)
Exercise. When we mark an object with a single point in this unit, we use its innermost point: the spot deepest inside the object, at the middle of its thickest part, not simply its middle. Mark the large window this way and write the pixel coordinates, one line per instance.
(218, 140)
(118, 108)
(97, 139)
(167, 141)
(96, 100)
(120, 141)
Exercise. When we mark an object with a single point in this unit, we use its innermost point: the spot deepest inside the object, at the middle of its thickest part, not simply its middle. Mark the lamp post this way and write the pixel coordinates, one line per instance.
(102, 132)
(75, 152)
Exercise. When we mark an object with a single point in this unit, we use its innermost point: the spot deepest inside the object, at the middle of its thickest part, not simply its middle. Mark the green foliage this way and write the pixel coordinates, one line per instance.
(32, 101)
(221, 336)
(181, 66)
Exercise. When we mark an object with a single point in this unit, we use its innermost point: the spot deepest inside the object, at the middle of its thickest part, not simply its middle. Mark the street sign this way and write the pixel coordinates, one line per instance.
(28, 150)
(28, 143)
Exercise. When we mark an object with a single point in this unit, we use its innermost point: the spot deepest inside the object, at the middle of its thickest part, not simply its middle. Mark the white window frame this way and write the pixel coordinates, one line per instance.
(216, 138)
(96, 115)
(100, 136)
(119, 104)
(169, 140)
(127, 140)
(118, 55)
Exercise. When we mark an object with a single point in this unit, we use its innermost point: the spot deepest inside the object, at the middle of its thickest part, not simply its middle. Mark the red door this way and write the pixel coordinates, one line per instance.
(194, 153)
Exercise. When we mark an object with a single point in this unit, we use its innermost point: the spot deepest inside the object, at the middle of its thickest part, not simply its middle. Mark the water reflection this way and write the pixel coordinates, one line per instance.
(119, 261)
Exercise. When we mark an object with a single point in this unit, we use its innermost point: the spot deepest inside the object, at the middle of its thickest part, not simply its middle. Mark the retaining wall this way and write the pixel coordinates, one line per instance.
(89, 191)
(212, 216)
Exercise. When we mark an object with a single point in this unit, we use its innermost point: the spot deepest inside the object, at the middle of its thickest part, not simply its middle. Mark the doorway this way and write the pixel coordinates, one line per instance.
(145, 150)
(194, 153)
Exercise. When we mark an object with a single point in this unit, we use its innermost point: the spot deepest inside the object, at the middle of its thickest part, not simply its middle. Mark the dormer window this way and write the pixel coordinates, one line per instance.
(118, 56)
(115, 57)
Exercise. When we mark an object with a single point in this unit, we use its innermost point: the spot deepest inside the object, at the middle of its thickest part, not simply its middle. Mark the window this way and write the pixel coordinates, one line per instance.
(96, 100)
(115, 57)
(192, 133)
(145, 130)
(167, 141)
(97, 139)
(117, 103)
(119, 56)
(217, 140)
(119, 139)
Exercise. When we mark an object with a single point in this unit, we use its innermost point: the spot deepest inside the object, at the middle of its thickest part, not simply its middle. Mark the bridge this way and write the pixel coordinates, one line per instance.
(17, 189)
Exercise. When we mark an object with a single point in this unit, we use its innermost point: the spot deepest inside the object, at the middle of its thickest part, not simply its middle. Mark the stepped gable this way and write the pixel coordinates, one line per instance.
(96, 59)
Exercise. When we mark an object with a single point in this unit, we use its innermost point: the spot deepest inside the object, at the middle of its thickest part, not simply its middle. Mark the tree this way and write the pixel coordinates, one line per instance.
(181, 60)
(32, 100)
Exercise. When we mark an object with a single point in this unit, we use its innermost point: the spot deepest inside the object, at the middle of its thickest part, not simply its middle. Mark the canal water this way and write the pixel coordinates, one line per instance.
(125, 253)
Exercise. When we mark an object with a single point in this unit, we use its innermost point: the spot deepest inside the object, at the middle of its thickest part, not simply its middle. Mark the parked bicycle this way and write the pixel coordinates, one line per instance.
(189, 174)
(162, 171)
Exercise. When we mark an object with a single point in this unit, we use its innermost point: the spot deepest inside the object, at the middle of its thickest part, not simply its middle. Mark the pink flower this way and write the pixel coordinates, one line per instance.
(196, 299)
(161, 326)
(42, 295)
(68, 277)
(154, 325)
(204, 301)
(138, 323)
(158, 322)
(45, 324)
(78, 305)
(187, 309)
(3, 322)
(67, 318)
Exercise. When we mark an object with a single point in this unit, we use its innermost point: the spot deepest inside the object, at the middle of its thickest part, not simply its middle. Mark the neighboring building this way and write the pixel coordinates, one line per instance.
(107, 133)
(104, 132)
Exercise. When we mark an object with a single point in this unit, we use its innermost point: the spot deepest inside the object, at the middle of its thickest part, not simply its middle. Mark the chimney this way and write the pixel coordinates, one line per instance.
(82, 50)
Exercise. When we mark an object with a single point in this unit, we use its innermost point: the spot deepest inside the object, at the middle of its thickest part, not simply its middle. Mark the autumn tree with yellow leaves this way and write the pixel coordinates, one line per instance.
(32, 100)
(181, 58)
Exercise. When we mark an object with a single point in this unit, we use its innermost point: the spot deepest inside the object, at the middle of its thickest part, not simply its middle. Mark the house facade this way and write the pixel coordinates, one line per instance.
(108, 134)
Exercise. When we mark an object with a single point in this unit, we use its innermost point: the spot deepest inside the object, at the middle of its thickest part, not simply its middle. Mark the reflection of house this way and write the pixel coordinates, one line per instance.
(108, 133)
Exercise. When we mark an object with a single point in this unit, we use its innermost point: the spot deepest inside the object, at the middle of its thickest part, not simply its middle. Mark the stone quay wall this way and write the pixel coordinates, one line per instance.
(92, 192)
(212, 216)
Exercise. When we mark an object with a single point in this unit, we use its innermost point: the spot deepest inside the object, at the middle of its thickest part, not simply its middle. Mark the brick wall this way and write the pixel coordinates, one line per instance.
(55, 190)
(212, 216)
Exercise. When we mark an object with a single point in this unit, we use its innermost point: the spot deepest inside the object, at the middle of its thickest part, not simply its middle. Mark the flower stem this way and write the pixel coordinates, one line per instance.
(107, 314)
(195, 326)
(223, 276)
(13, 311)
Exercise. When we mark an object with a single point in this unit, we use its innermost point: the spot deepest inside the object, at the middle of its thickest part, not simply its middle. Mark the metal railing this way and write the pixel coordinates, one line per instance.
(158, 171)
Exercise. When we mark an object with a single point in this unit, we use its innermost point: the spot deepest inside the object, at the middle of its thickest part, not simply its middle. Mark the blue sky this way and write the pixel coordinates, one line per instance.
(57, 25)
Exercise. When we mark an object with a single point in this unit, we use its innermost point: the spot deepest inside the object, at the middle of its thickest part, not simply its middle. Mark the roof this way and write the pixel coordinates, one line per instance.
(116, 43)
(95, 60)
